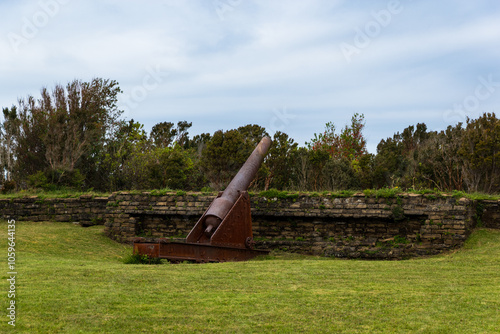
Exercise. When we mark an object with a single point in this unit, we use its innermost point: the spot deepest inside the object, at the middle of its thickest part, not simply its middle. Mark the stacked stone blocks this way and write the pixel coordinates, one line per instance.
(358, 226)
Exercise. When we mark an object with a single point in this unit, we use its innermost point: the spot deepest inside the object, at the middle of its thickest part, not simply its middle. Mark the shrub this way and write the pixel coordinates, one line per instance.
(40, 180)
(137, 258)
(8, 186)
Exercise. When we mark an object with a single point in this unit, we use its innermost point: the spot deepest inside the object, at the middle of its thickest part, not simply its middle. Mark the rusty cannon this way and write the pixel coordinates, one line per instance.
(224, 231)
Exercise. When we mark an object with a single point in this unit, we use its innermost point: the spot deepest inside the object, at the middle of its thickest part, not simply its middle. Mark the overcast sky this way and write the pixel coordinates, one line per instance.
(286, 65)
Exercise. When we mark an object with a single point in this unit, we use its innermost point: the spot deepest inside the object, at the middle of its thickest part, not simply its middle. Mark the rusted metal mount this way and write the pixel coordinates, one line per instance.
(232, 240)
(235, 229)
(177, 252)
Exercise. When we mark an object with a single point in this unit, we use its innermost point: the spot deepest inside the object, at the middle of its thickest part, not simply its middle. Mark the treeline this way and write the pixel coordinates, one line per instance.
(74, 137)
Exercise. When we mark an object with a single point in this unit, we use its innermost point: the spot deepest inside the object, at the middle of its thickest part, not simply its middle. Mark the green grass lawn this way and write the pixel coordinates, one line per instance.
(72, 279)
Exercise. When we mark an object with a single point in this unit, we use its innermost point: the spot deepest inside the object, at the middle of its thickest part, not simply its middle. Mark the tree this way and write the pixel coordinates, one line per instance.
(182, 138)
(252, 135)
(412, 137)
(349, 144)
(439, 161)
(397, 159)
(65, 131)
(95, 103)
(333, 156)
(171, 167)
(481, 152)
(165, 135)
(278, 161)
(227, 151)
(8, 132)
(199, 142)
(338, 174)
(118, 164)
(364, 170)
(302, 170)
(30, 148)
(390, 163)
(318, 158)
(222, 157)
(64, 141)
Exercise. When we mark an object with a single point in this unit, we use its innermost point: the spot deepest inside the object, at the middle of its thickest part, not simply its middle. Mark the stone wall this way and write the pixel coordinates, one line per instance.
(86, 209)
(355, 227)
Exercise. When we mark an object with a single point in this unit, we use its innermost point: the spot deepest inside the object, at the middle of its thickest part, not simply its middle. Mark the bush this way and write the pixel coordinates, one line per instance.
(137, 258)
(54, 179)
(67, 178)
(40, 180)
(339, 174)
(8, 186)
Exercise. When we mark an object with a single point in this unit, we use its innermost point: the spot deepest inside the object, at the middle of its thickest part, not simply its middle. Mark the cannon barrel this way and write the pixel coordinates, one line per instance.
(221, 205)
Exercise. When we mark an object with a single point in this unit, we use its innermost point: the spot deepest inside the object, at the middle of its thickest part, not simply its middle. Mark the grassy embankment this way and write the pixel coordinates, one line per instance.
(72, 279)
(383, 192)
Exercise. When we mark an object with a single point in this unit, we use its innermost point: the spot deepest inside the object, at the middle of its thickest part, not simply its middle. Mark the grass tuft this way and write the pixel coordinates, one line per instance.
(137, 258)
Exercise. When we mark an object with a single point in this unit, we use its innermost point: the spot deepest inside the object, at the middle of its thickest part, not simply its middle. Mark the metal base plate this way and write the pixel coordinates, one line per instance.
(181, 251)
